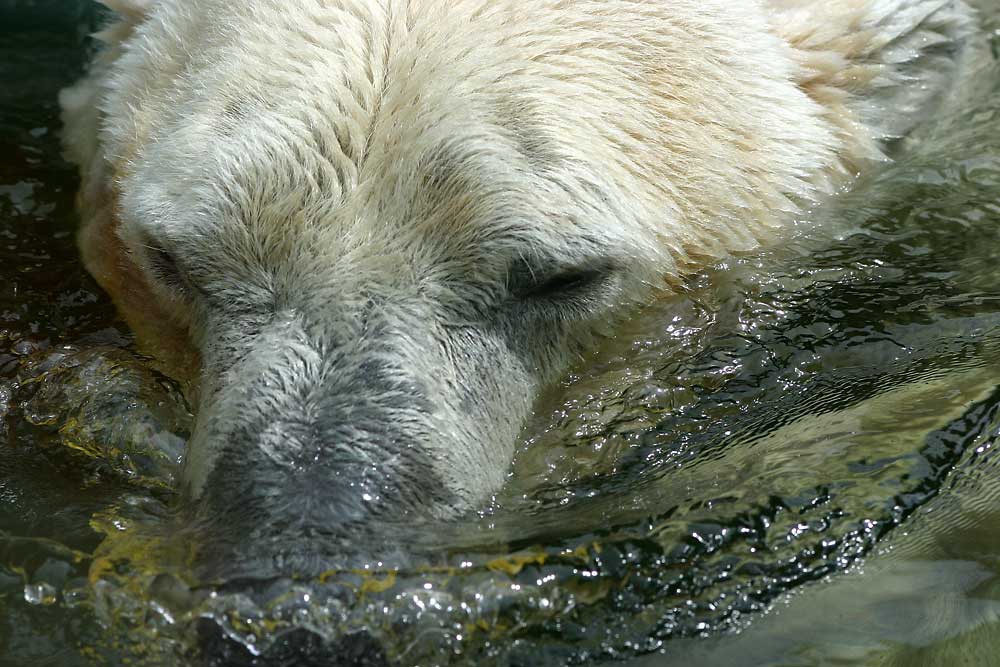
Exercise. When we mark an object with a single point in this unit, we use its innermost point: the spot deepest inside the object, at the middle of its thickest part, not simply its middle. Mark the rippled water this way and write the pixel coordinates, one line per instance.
(791, 463)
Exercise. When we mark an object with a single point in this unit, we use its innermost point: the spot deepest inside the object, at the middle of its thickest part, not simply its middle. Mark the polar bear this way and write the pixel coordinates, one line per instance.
(366, 233)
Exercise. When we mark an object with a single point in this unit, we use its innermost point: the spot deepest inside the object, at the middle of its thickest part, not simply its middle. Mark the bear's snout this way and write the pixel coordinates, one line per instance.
(304, 443)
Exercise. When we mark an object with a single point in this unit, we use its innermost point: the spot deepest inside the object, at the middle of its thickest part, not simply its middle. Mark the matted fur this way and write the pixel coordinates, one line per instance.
(352, 192)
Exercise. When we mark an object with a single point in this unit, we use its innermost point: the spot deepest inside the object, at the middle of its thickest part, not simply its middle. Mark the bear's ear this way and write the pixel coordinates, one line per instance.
(129, 9)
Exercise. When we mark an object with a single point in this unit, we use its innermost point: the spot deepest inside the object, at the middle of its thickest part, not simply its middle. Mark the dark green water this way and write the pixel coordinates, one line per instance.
(793, 463)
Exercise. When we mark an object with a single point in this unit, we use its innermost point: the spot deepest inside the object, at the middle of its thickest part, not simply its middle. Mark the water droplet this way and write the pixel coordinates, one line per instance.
(39, 594)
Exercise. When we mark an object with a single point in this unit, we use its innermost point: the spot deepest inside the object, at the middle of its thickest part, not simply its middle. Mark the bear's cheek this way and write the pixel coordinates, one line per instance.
(161, 331)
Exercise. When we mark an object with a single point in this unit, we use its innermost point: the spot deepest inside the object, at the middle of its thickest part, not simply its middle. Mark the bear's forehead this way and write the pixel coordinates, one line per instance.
(280, 188)
(335, 94)
(435, 165)
(477, 131)
(278, 164)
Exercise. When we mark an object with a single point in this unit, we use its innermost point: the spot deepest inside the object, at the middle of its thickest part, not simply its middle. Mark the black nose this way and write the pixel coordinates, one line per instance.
(295, 648)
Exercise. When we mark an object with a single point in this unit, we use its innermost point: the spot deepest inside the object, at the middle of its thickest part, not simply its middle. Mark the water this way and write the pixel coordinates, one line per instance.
(794, 462)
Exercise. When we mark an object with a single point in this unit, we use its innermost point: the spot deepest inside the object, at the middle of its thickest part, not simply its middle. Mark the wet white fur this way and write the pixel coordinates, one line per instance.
(441, 138)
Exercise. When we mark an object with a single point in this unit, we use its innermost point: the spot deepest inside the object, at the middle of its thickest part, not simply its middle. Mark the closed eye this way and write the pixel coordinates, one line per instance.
(164, 266)
(564, 283)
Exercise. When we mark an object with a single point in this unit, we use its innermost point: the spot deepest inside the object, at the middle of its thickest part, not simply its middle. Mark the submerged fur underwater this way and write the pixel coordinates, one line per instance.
(799, 447)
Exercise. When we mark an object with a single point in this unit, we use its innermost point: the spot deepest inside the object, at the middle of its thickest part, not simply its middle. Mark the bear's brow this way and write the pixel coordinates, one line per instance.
(517, 120)
(453, 165)
(447, 165)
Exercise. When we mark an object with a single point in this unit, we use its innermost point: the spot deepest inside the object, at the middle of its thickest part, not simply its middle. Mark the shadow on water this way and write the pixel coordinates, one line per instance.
(792, 462)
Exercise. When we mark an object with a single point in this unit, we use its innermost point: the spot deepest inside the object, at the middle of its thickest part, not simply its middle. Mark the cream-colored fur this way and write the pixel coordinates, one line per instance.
(711, 120)
(291, 155)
